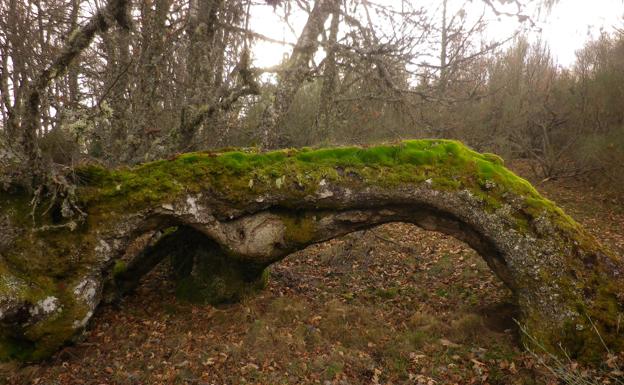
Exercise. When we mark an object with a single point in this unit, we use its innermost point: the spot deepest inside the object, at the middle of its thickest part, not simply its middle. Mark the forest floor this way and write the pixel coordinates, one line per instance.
(391, 305)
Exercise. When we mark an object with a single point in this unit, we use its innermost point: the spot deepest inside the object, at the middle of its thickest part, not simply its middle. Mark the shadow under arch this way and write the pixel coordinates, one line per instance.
(202, 271)
(206, 271)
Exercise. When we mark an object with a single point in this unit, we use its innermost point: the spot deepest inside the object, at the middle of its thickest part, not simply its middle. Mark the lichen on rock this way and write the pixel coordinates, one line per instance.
(223, 217)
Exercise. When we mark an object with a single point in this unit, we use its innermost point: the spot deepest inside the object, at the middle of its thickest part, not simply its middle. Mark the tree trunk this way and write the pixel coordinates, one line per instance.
(202, 66)
(246, 211)
(330, 77)
(294, 72)
(443, 50)
(80, 39)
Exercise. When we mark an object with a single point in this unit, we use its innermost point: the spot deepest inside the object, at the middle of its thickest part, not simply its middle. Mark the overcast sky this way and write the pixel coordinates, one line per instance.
(566, 27)
(572, 22)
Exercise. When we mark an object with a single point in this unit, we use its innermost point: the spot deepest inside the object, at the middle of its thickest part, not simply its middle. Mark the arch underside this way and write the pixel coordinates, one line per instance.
(191, 243)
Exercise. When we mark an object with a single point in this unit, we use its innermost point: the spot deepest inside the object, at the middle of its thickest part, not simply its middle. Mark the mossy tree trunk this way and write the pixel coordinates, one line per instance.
(224, 217)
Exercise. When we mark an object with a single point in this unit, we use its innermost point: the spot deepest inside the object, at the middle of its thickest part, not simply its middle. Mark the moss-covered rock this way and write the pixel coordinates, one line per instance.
(224, 216)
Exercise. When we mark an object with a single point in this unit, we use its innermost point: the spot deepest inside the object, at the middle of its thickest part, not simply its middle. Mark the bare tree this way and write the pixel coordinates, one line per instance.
(294, 71)
(114, 11)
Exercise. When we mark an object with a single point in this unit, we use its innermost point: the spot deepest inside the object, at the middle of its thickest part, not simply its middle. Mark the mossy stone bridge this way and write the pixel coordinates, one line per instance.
(223, 217)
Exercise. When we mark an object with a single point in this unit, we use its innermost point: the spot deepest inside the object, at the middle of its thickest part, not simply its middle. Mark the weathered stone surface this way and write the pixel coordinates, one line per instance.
(224, 217)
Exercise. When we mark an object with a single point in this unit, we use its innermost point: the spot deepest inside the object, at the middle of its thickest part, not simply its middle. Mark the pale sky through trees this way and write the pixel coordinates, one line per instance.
(566, 28)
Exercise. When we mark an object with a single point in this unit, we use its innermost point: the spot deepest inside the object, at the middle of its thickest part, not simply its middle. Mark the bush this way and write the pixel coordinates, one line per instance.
(602, 155)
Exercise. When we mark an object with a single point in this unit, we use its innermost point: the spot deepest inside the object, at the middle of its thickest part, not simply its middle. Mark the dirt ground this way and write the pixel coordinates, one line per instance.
(391, 305)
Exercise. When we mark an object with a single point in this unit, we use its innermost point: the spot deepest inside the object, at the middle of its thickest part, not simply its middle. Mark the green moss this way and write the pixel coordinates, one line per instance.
(387, 293)
(216, 288)
(599, 315)
(13, 348)
(240, 177)
(299, 229)
(205, 274)
(119, 268)
(169, 230)
(445, 183)
(494, 158)
(42, 339)
(207, 286)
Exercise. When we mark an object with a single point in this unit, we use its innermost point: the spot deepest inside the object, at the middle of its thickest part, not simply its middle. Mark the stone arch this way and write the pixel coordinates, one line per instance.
(255, 209)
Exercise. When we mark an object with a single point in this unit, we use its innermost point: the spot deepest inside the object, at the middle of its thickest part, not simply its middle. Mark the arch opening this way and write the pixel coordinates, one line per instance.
(437, 255)
(207, 270)
(326, 225)
(199, 266)
(378, 297)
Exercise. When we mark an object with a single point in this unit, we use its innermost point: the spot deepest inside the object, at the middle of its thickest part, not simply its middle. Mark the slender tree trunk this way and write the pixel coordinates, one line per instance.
(117, 48)
(9, 123)
(148, 97)
(202, 66)
(295, 71)
(328, 92)
(443, 49)
(74, 69)
(19, 75)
